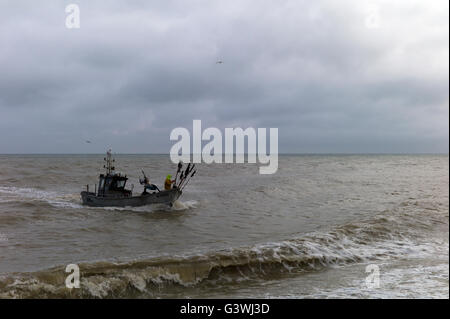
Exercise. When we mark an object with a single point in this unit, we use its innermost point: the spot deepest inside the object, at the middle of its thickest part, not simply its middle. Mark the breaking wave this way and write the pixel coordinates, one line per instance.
(381, 238)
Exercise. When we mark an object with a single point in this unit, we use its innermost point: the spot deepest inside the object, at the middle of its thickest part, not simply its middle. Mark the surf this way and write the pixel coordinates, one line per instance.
(350, 244)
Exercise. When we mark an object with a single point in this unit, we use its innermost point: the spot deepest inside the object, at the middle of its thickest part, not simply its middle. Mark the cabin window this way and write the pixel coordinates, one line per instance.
(120, 184)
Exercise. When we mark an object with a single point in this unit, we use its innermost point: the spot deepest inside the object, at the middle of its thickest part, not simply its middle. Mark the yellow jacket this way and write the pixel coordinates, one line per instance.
(168, 184)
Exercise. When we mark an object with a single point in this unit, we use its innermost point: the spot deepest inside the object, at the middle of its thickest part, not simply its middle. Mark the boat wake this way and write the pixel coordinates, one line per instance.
(24, 195)
(17, 195)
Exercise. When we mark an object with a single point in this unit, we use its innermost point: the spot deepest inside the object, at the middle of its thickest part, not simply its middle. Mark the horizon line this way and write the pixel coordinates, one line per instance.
(279, 153)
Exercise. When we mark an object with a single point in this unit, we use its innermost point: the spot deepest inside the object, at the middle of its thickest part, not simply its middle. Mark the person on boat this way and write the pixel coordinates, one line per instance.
(147, 184)
(151, 187)
(168, 182)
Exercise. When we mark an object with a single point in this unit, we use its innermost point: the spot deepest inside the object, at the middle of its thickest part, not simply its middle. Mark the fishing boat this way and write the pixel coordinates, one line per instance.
(111, 191)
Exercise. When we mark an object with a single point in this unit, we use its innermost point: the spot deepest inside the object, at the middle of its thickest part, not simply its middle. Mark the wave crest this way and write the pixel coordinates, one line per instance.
(351, 243)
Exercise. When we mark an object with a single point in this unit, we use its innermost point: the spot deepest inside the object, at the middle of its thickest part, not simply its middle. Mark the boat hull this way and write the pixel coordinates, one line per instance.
(164, 197)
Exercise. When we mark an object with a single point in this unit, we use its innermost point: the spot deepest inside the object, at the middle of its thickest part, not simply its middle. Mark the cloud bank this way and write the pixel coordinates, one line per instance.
(333, 76)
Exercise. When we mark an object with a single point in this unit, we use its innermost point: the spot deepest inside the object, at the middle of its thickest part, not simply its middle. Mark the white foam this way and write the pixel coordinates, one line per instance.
(11, 194)
(179, 205)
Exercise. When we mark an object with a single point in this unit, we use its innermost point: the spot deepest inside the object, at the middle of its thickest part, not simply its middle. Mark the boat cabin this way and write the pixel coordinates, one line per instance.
(112, 185)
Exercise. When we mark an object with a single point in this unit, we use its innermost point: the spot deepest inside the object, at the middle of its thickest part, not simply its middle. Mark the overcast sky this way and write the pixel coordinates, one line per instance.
(333, 76)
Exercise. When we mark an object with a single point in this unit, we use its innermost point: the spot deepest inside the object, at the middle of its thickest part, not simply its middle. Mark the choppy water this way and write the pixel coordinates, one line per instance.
(309, 231)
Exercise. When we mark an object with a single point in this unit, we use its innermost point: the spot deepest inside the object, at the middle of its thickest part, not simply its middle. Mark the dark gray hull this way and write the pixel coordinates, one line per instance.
(163, 197)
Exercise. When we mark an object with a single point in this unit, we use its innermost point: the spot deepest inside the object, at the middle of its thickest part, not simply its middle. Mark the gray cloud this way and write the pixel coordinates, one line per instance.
(333, 76)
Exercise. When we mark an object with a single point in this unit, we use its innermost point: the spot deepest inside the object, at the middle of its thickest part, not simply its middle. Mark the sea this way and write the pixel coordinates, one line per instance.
(322, 226)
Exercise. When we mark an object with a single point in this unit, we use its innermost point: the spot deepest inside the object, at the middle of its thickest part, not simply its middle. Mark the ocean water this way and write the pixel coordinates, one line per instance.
(309, 231)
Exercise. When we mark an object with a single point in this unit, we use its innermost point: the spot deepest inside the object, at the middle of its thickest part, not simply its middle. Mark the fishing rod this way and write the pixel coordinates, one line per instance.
(186, 174)
(180, 165)
(181, 179)
(187, 170)
(192, 175)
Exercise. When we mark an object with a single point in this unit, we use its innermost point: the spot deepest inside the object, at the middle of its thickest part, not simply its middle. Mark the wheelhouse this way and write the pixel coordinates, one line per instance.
(111, 184)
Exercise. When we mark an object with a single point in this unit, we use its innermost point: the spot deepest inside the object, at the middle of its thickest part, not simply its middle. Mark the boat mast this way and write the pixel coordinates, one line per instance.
(109, 162)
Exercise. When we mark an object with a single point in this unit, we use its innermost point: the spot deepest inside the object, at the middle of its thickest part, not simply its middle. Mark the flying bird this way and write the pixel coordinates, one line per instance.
(219, 62)
(89, 142)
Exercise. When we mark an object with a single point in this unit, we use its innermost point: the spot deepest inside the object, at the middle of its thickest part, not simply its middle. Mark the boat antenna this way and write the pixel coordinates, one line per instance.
(109, 162)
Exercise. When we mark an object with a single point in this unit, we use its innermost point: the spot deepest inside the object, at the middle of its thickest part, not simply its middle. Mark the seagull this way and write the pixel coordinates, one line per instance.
(219, 62)
(89, 142)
